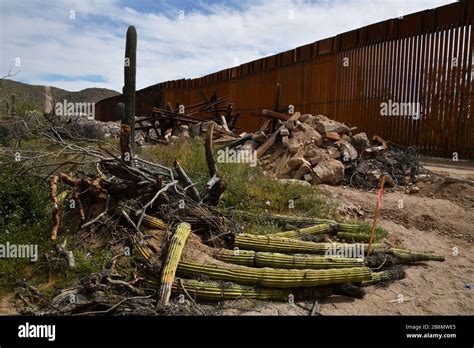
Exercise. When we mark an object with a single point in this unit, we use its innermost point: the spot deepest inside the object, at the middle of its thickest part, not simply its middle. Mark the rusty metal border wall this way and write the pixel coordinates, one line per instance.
(419, 67)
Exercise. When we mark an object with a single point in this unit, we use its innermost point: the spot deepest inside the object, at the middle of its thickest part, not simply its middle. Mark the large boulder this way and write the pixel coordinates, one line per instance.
(323, 154)
(360, 141)
(311, 151)
(308, 134)
(307, 118)
(333, 152)
(329, 171)
(348, 152)
(296, 162)
(324, 125)
(302, 171)
(293, 148)
(316, 138)
(317, 155)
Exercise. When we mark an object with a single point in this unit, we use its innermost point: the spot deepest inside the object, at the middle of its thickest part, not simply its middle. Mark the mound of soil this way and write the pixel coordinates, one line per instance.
(459, 193)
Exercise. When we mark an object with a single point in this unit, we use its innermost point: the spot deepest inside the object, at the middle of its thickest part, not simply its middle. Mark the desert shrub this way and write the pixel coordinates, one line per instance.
(24, 219)
(24, 199)
(12, 129)
(90, 130)
(26, 106)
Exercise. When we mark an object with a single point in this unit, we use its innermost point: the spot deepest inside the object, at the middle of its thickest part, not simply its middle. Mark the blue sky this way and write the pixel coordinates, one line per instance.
(75, 44)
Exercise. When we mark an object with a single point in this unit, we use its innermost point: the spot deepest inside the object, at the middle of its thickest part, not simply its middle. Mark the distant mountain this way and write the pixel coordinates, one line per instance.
(34, 93)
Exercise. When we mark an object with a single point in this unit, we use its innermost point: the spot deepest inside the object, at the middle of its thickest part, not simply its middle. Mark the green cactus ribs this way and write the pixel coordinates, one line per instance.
(129, 88)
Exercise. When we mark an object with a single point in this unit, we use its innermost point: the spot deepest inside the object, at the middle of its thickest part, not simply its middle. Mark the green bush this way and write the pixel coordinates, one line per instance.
(25, 106)
(24, 219)
(25, 199)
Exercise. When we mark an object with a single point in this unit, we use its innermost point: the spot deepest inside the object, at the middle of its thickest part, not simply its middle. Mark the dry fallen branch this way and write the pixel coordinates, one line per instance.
(211, 163)
(190, 297)
(186, 182)
(114, 306)
(80, 207)
(67, 254)
(54, 199)
(215, 186)
(98, 217)
(167, 186)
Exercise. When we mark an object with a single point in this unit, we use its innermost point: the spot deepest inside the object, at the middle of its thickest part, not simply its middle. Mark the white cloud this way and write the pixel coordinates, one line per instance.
(49, 43)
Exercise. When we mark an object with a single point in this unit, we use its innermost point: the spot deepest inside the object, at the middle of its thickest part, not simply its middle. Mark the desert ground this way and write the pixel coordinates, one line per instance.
(444, 225)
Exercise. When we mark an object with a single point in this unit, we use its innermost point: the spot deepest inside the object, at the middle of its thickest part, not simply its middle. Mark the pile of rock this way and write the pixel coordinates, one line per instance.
(318, 150)
(92, 129)
(85, 126)
(308, 148)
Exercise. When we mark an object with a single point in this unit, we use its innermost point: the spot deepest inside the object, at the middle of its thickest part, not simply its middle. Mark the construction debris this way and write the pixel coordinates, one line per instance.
(311, 148)
(318, 150)
(169, 124)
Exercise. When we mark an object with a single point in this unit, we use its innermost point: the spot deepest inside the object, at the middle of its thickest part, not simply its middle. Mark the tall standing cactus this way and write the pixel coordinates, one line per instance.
(125, 134)
(130, 71)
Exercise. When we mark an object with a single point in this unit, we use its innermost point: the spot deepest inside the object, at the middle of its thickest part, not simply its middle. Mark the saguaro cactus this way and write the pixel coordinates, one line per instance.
(130, 70)
(175, 249)
(125, 131)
